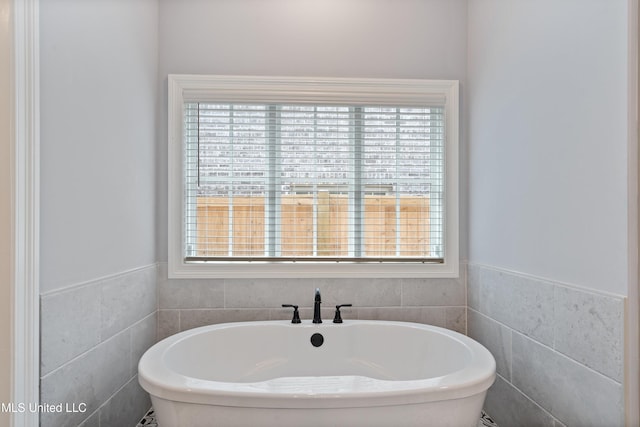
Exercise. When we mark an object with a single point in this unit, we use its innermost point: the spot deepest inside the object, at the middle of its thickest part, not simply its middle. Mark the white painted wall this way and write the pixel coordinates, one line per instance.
(99, 86)
(329, 38)
(548, 139)
(6, 240)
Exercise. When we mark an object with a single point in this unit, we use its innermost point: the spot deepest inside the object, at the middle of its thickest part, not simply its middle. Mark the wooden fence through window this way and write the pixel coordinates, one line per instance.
(390, 226)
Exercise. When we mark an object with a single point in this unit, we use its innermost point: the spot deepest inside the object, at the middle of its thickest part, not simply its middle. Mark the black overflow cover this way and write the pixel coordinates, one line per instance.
(317, 340)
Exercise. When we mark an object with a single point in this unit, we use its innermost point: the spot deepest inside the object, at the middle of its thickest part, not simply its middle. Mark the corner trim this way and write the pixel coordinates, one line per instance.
(25, 340)
(632, 305)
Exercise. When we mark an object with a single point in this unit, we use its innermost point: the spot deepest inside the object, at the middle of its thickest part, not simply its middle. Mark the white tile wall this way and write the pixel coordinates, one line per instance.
(558, 349)
(185, 304)
(588, 328)
(573, 393)
(92, 337)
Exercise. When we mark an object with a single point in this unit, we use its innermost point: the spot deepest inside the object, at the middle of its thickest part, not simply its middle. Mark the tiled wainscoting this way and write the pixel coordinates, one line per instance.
(186, 304)
(92, 336)
(559, 350)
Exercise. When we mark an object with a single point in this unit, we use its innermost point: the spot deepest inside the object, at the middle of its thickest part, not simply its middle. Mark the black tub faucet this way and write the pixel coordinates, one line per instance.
(316, 307)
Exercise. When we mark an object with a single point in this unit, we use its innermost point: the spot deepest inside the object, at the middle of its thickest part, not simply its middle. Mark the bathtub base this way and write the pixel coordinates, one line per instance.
(464, 412)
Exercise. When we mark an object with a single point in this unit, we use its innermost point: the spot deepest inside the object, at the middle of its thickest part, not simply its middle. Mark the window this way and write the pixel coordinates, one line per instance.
(286, 177)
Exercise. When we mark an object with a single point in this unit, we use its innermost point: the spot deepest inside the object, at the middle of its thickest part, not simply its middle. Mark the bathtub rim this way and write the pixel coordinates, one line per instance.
(158, 380)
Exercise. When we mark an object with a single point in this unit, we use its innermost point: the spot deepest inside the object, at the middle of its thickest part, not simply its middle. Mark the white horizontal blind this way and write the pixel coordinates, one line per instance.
(320, 182)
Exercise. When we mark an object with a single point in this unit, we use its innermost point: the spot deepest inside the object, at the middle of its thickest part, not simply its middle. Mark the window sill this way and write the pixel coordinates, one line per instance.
(218, 270)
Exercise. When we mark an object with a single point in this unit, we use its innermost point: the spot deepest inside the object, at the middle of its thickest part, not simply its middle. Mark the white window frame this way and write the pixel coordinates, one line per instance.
(348, 91)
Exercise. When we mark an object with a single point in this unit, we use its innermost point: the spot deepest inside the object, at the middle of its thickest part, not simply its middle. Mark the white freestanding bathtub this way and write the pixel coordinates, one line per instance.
(365, 373)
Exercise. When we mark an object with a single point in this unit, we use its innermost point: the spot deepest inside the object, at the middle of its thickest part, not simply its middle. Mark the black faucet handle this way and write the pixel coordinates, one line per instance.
(296, 314)
(337, 318)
